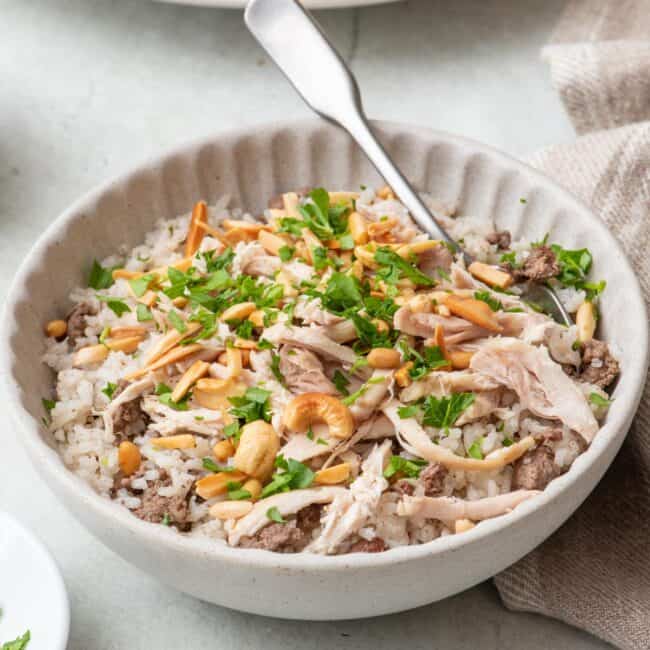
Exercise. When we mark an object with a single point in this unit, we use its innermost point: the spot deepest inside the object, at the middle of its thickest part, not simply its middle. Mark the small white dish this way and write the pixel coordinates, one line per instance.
(32, 591)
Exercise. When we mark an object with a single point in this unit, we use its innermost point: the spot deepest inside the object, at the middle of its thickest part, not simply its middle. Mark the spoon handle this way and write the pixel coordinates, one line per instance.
(301, 50)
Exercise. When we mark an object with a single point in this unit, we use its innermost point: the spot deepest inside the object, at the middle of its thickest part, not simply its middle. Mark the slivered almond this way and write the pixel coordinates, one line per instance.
(417, 248)
(239, 311)
(210, 396)
(125, 274)
(289, 290)
(181, 441)
(291, 203)
(358, 228)
(257, 318)
(236, 235)
(125, 332)
(460, 359)
(169, 340)
(195, 234)
(233, 362)
(248, 226)
(366, 255)
(439, 340)
(245, 344)
(215, 484)
(197, 370)
(491, 275)
(332, 475)
(173, 356)
(271, 242)
(475, 311)
(213, 232)
(311, 241)
(402, 376)
(127, 344)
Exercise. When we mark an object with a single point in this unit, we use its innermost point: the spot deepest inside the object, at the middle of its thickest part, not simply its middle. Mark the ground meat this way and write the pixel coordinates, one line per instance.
(535, 469)
(291, 537)
(129, 420)
(376, 545)
(77, 320)
(405, 487)
(158, 509)
(432, 478)
(501, 239)
(539, 265)
(599, 367)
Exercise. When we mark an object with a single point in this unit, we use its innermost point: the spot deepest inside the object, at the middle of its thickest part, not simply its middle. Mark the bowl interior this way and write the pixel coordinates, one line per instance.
(254, 165)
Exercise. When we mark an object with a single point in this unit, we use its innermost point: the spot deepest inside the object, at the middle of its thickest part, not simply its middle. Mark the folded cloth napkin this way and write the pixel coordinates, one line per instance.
(594, 572)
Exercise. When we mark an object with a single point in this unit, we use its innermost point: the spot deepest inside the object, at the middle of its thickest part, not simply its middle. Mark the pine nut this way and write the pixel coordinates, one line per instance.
(586, 321)
(358, 228)
(383, 358)
(223, 450)
(463, 525)
(128, 457)
(402, 377)
(89, 355)
(56, 329)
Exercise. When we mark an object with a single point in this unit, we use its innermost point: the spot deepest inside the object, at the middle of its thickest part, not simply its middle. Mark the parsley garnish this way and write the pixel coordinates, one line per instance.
(430, 359)
(442, 413)
(408, 411)
(166, 520)
(286, 253)
(141, 284)
(475, 450)
(253, 405)
(325, 221)
(164, 393)
(176, 321)
(109, 390)
(17, 644)
(232, 430)
(293, 475)
(274, 515)
(489, 299)
(598, 400)
(100, 277)
(275, 368)
(393, 267)
(574, 264)
(116, 305)
(143, 313)
(409, 468)
(211, 466)
(341, 382)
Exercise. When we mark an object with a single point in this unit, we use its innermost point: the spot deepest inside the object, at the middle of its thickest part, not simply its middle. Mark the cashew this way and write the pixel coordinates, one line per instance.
(257, 449)
(491, 275)
(308, 408)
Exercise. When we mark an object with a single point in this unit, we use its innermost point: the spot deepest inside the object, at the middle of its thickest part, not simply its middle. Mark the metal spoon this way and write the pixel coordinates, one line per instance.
(301, 50)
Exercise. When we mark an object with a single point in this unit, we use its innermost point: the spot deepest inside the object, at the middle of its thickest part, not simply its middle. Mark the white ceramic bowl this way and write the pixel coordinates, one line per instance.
(251, 166)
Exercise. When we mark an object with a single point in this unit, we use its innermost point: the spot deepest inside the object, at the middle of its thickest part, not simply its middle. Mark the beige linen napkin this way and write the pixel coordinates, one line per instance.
(594, 572)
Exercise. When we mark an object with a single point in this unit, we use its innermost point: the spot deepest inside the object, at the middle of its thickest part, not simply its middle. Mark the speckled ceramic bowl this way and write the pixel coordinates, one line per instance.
(251, 166)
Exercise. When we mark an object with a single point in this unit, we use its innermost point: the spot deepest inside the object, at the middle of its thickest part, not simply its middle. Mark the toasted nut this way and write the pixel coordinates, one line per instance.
(197, 370)
(180, 302)
(491, 275)
(386, 193)
(125, 274)
(439, 341)
(271, 242)
(215, 484)
(223, 450)
(128, 344)
(463, 525)
(217, 399)
(586, 321)
(56, 329)
(239, 311)
(213, 232)
(421, 304)
(128, 457)
(230, 509)
(366, 255)
(173, 356)
(383, 358)
(148, 298)
(181, 441)
(381, 325)
(181, 265)
(170, 340)
(308, 408)
(417, 248)
(245, 358)
(291, 203)
(257, 318)
(357, 269)
(311, 242)
(289, 290)
(332, 475)
(342, 197)
(254, 228)
(378, 229)
(235, 235)
(254, 487)
(90, 354)
(460, 359)
(358, 228)
(233, 362)
(475, 311)
(245, 344)
(257, 449)
(402, 376)
(195, 234)
(127, 332)
(443, 310)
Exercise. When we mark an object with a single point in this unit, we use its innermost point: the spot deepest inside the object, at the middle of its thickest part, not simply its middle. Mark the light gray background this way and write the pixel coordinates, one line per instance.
(89, 88)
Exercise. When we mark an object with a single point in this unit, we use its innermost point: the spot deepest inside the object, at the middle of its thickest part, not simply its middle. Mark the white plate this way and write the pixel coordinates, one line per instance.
(310, 4)
(32, 592)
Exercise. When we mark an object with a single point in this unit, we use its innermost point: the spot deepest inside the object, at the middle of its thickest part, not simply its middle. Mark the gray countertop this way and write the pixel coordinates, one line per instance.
(90, 88)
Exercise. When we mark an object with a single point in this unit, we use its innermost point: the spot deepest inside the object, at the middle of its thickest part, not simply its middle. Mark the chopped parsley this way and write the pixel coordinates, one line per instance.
(404, 466)
(509, 258)
(117, 306)
(232, 430)
(17, 644)
(392, 267)
(286, 253)
(245, 329)
(475, 450)
(275, 368)
(574, 265)
(100, 277)
(263, 344)
(48, 404)
(164, 393)
(292, 475)
(274, 515)
(406, 412)
(166, 520)
(431, 358)
(211, 466)
(341, 382)
(325, 221)
(598, 400)
(235, 491)
(109, 390)
(140, 285)
(143, 313)
(443, 412)
(253, 405)
(176, 321)
(369, 335)
(485, 296)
